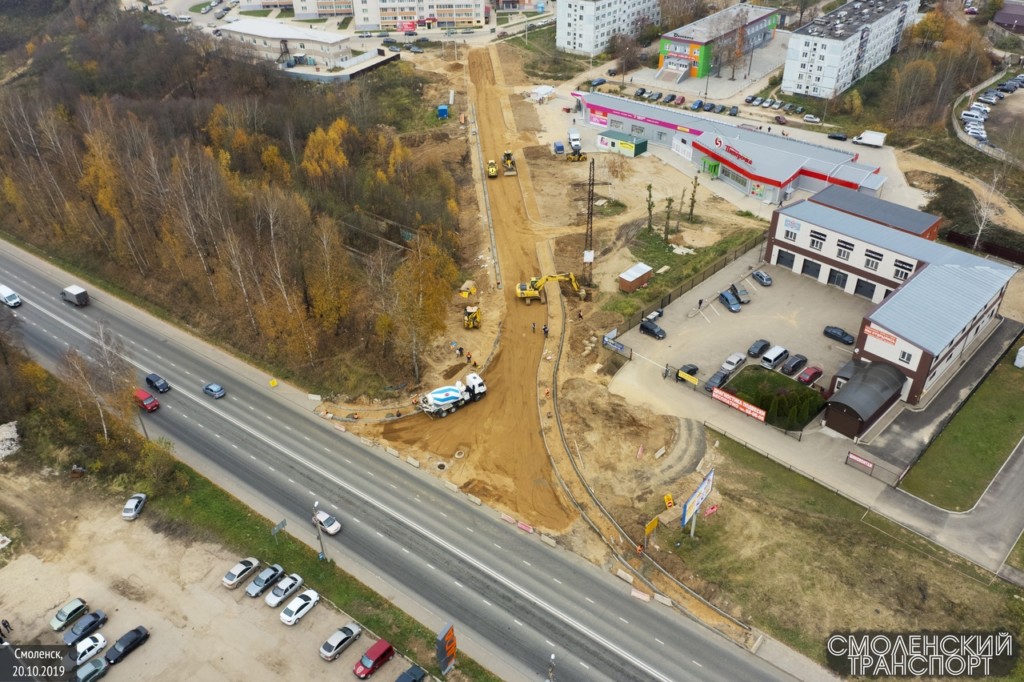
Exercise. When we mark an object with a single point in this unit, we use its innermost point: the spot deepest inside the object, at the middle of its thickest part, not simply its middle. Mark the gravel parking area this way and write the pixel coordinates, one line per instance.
(791, 313)
(69, 545)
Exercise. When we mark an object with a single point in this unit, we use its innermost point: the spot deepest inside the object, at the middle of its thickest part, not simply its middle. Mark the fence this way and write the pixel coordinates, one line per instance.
(871, 466)
(699, 278)
(985, 246)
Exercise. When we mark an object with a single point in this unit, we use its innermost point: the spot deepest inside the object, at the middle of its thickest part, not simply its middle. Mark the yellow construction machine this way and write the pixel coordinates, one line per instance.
(535, 288)
(471, 317)
(492, 169)
(509, 163)
(575, 155)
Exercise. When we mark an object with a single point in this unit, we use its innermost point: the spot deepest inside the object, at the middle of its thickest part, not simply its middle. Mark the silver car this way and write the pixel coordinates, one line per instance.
(133, 507)
(267, 577)
(285, 588)
(342, 639)
(242, 570)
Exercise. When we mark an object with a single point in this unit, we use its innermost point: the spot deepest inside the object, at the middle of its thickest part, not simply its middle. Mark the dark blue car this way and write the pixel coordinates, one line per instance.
(729, 301)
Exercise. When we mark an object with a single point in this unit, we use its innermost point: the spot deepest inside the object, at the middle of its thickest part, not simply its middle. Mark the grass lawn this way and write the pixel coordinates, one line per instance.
(256, 12)
(955, 470)
(196, 9)
(287, 14)
(209, 511)
(649, 247)
(788, 403)
(800, 562)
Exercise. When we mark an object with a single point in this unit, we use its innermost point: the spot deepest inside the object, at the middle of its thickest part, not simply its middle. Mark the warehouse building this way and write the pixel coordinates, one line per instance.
(759, 164)
(284, 43)
(828, 55)
(933, 302)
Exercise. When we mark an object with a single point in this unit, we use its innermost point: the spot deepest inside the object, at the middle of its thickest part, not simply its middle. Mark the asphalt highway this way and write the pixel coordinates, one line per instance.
(514, 600)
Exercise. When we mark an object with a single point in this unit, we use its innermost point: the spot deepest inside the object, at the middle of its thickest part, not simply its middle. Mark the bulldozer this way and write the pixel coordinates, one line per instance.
(576, 155)
(535, 288)
(471, 318)
(492, 169)
(509, 163)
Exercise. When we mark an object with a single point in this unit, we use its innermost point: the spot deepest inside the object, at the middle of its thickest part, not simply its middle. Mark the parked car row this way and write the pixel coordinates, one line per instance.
(84, 641)
(776, 104)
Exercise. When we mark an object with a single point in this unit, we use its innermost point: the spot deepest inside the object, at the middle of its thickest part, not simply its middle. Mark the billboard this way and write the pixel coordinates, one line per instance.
(692, 505)
(446, 648)
(738, 404)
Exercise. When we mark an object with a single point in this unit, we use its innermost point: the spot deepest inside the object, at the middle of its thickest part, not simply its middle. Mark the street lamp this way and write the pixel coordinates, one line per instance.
(319, 535)
(551, 670)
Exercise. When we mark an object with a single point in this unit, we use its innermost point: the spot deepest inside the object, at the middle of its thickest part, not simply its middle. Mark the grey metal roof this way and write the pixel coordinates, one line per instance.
(878, 210)
(773, 156)
(869, 388)
(940, 299)
(718, 24)
(847, 21)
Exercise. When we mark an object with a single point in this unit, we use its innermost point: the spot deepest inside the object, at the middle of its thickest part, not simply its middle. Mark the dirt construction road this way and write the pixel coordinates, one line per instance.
(501, 435)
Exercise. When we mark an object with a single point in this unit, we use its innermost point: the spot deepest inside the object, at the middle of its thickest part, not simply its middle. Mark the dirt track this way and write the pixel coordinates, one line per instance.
(501, 435)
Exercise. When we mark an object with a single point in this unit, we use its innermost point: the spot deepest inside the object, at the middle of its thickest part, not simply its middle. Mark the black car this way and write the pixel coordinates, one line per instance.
(689, 370)
(651, 329)
(129, 642)
(839, 334)
(720, 108)
(709, 106)
(717, 380)
(758, 348)
(749, 99)
(640, 92)
(411, 33)
(837, 136)
(798, 111)
(86, 625)
(413, 674)
(794, 365)
(734, 110)
(157, 383)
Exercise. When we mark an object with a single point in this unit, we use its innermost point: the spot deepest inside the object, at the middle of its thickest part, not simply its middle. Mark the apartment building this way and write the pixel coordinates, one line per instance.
(395, 15)
(827, 56)
(585, 26)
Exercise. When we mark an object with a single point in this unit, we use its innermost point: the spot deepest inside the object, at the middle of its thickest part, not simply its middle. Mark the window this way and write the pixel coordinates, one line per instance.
(791, 235)
(818, 240)
(844, 250)
(903, 269)
(872, 259)
(904, 357)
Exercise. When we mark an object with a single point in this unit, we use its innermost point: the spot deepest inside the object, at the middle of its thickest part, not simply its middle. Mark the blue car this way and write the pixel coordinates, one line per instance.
(696, 106)
(762, 277)
(730, 301)
(597, 81)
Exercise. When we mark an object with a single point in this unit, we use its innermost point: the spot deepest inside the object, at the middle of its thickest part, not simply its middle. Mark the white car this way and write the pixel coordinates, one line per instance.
(133, 507)
(285, 587)
(242, 570)
(733, 362)
(299, 607)
(327, 523)
(88, 647)
(810, 118)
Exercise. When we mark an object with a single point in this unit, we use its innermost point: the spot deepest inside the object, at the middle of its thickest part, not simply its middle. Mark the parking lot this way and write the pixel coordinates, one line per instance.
(74, 546)
(791, 313)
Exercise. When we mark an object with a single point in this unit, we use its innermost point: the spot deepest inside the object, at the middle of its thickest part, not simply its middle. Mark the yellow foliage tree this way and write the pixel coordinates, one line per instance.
(324, 159)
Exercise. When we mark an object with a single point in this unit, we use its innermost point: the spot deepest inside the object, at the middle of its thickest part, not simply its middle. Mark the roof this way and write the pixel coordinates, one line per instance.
(771, 156)
(878, 210)
(869, 388)
(262, 28)
(847, 21)
(939, 300)
(1012, 12)
(621, 137)
(636, 272)
(720, 23)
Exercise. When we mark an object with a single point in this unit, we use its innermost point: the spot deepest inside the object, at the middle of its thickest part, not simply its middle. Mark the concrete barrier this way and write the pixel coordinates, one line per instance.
(451, 486)
(340, 427)
(525, 526)
(659, 453)
(548, 540)
(314, 397)
(642, 596)
(413, 462)
(474, 499)
(391, 451)
(628, 577)
(507, 519)
(663, 599)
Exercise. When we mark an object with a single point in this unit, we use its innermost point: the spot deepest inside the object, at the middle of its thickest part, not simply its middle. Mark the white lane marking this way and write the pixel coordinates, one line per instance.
(406, 550)
(432, 567)
(470, 529)
(527, 562)
(557, 581)
(496, 545)
(696, 663)
(457, 583)
(584, 665)
(379, 534)
(624, 620)
(658, 640)
(550, 643)
(487, 602)
(589, 600)
(516, 621)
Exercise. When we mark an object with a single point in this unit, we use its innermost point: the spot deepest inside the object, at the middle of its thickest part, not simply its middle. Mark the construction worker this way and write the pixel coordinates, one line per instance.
(545, 331)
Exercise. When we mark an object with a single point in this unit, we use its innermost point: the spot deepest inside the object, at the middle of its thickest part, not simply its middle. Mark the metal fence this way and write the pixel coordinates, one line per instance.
(691, 283)
(986, 246)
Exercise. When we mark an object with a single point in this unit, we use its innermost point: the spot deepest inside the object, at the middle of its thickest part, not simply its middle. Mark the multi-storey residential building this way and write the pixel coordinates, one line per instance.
(717, 40)
(586, 26)
(385, 14)
(833, 52)
(933, 302)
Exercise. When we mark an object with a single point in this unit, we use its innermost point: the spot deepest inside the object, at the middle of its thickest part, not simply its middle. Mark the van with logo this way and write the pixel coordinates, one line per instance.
(9, 298)
(146, 401)
(775, 356)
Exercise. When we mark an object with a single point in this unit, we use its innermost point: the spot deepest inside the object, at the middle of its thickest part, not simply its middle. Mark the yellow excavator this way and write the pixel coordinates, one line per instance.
(535, 288)
(492, 169)
(471, 318)
(508, 163)
(575, 155)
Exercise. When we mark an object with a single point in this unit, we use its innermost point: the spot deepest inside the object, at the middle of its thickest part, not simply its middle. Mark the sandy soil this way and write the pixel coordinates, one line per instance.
(71, 542)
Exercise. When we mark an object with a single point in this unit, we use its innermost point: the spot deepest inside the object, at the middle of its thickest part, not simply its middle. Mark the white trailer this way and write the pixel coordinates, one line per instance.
(445, 400)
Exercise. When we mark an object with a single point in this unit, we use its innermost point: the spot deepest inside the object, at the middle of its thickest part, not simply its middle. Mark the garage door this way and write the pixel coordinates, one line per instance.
(865, 288)
(811, 268)
(785, 259)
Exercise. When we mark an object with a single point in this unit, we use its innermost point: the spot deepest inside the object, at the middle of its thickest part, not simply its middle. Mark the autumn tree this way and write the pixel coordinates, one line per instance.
(79, 376)
(423, 284)
(650, 208)
(668, 217)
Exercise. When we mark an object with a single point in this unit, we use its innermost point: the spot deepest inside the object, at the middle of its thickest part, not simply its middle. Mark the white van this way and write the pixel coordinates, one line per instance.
(184, 19)
(775, 356)
(981, 107)
(9, 297)
(972, 116)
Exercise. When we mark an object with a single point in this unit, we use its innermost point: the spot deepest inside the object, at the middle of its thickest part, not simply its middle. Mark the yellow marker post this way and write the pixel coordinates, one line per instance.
(668, 502)
(273, 383)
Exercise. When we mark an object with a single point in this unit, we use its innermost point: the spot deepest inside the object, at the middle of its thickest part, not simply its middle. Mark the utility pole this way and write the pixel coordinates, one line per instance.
(551, 670)
(319, 534)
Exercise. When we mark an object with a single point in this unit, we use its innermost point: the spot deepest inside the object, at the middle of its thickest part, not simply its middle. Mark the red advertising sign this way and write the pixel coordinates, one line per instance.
(737, 404)
(884, 337)
(736, 152)
(850, 457)
(446, 648)
(407, 26)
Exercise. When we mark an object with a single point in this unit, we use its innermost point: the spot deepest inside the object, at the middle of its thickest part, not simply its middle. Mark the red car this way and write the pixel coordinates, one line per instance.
(374, 659)
(809, 375)
(780, 119)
